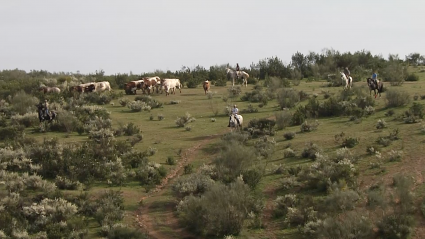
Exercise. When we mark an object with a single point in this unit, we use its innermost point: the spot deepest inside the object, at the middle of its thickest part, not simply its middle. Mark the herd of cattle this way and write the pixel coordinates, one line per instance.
(146, 84)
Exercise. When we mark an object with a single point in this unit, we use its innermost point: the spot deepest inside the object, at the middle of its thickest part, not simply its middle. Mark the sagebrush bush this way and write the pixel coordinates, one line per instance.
(381, 124)
(395, 225)
(23, 103)
(194, 184)
(282, 203)
(27, 120)
(310, 150)
(137, 106)
(369, 110)
(124, 101)
(341, 200)
(224, 209)
(66, 183)
(350, 142)
(288, 153)
(184, 120)
(160, 117)
(308, 126)
(153, 103)
(283, 119)
(170, 160)
(395, 98)
(97, 98)
(289, 135)
(287, 98)
(352, 224)
(395, 156)
(234, 91)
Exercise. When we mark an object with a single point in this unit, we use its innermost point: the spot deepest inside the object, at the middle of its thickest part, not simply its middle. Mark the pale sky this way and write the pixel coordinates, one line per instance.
(143, 36)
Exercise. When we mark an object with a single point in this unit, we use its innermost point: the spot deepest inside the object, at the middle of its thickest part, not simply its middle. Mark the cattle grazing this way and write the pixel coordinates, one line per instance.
(132, 86)
(82, 87)
(150, 83)
(47, 90)
(98, 87)
(206, 84)
(170, 85)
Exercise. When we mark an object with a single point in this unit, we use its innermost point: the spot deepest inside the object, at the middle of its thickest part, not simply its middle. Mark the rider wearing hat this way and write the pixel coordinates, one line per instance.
(46, 107)
(237, 70)
(235, 112)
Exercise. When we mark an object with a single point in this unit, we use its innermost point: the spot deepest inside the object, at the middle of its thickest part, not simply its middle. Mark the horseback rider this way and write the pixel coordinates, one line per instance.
(235, 112)
(237, 70)
(46, 107)
(347, 73)
(375, 78)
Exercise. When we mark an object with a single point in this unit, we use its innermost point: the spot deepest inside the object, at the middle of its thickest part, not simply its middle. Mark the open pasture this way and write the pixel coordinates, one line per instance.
(198, 142)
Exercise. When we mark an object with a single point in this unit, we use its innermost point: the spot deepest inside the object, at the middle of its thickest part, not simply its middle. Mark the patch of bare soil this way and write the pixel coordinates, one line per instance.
(166, 210)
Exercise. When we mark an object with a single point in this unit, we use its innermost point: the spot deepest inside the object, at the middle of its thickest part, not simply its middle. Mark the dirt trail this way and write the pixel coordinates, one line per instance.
(143, 217)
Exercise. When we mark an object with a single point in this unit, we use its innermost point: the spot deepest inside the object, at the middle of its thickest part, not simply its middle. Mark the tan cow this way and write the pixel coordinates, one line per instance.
(171, 85)
(206, 85)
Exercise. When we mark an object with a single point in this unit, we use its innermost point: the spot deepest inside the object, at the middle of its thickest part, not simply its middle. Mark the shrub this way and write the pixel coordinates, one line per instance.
(23, 103)
(417, 109)
(412, 77)
(369, 110)
(310, 151)
(65, 183)
(287, 98)
(289, 135)
(395, 226)
(252, 177)
(27, 120)
(282, 203)
(224, 209)
(234, 91)
(160, 117)
(352, 224)
(288, 153)
(384, 141)
(153, 103)
(308, 127)
(194, 184)
(395, 98)
(110, 207)
(97, 98)
(251, 109)
(175, 102)
(381, 124)
(184, 120)
(283, 119)
(188, 169)
(123, 101)
(395, 156)
(390, 113)
(350, 142)
(137, 106)
(341, 200)
(170, 160)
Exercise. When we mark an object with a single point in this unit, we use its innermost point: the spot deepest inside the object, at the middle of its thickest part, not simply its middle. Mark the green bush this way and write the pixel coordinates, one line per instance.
(137, 106)
(252, 177)
(283, 119)
(396, 98)
(153, 103)
(412, 77)
(171, 160)
(289, 135)
(222, 210)
(310, 151)
(194, 184)
(395, 226)
(184, 120)
(287, 98)
(308, 127)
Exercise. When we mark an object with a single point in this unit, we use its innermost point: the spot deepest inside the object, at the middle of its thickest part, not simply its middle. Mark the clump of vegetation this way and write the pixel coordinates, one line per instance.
(308, 127)
(171, 160)
(287, 98)
(182, 121)
(283, 119)
(153, 103)
(160, 117)
(137, 106)
(288, 153)
(175, 102)
(250, 109)
(381, 124)
(289, 135)
(396, 98)
(310, 150)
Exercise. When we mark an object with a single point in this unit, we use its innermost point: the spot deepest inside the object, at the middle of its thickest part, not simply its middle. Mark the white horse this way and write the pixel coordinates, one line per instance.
(234, 124)
(348, 81)
(237, 74)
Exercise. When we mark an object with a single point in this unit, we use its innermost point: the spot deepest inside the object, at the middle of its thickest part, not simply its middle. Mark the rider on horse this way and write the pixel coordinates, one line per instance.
(347, 73)
(235, 112)
(375, 78)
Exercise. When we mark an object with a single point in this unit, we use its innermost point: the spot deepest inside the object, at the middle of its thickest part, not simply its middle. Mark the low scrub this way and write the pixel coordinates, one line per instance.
(137, 106)
(396, 98)
(182, 121)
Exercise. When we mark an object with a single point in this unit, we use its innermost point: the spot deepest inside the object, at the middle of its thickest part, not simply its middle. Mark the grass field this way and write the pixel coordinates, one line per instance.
(196, 146)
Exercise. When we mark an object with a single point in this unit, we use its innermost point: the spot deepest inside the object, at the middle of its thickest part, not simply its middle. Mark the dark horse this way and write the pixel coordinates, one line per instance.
(43, 115)
(375, 87)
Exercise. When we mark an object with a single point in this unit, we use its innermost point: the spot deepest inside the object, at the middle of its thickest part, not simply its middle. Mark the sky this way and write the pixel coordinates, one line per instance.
(141, 36)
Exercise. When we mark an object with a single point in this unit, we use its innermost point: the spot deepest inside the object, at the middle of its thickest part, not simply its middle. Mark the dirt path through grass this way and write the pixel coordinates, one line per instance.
(164, 224)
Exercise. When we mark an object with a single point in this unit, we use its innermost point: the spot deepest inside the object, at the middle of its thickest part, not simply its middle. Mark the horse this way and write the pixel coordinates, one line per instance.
(234, 124)
(42, 115)
(47, 89)
(237, 74)
(374, 87)
(348, 81)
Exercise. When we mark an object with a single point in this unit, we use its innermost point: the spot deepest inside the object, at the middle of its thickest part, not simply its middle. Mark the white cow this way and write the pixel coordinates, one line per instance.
(171, 85)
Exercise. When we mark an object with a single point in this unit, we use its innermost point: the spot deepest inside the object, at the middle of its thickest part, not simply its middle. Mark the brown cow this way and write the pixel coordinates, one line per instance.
(132, 86)
(149, 83)
(206, 84)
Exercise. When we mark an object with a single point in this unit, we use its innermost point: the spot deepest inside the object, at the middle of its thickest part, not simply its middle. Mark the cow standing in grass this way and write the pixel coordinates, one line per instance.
(170, 85)
(206, 85)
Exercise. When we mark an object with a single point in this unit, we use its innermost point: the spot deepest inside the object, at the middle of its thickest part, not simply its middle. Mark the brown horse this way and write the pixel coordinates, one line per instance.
(47, 90)
(379, 87)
